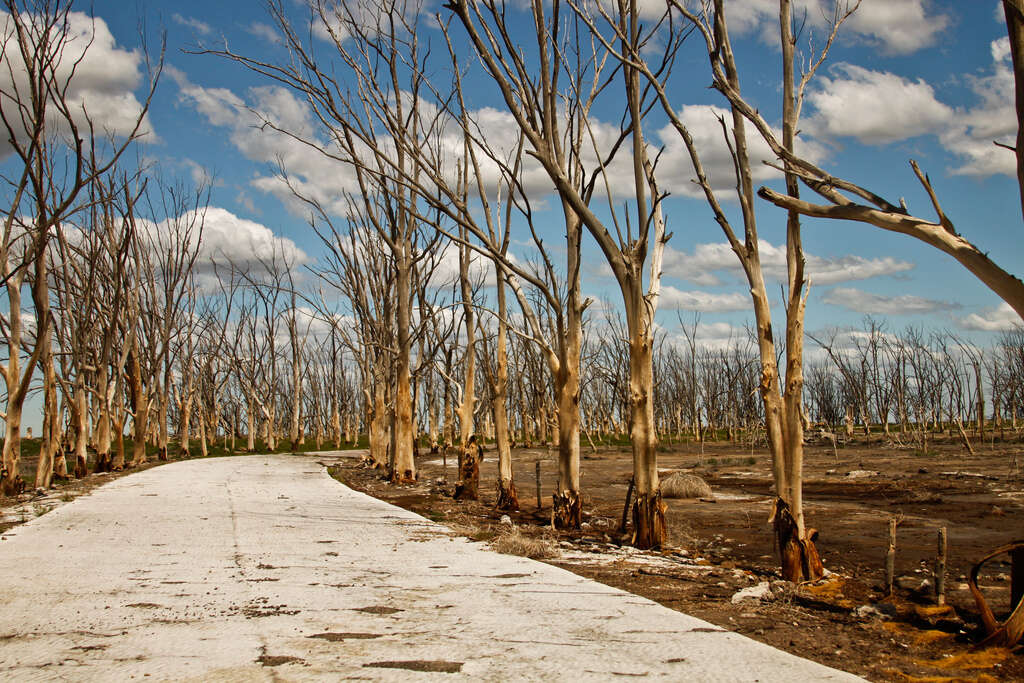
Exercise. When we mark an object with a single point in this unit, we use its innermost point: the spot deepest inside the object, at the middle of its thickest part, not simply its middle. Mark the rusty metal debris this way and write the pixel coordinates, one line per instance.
(1008, 633)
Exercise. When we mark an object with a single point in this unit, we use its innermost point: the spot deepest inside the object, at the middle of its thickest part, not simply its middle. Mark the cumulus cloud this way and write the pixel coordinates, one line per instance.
(706, 302)
(229, 240)
(998, 319)
(101, 77)
(867, 302)
(675, 170)
(993, 118)
(876, 107)
(719, 336)
(705, 264)
(895, 28)
(310, 172)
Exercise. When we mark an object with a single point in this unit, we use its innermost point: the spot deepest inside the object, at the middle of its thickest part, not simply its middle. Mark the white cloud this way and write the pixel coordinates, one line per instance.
(867, 302)
(191, 22)
(675, 170)
(718, 336)
(894, 27)
(993, 118)
(876, 107)
(230, 240)
(310, 172)
(101, 76)
(706, 302)
(264, 31)
(996, 319)
(704, 265)
(201, 175)
(340, 15)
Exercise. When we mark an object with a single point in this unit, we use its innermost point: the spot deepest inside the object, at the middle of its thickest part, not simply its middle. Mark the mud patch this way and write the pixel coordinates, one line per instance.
(431, 665)
(377, 609)
(338, 637)
(507, 576)
(272, 660)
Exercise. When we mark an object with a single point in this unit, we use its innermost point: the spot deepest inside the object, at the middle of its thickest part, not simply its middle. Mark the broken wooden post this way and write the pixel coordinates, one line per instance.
(537, 474)
(625, 507)
(890, 557)
(940, 568)
(1016, 576)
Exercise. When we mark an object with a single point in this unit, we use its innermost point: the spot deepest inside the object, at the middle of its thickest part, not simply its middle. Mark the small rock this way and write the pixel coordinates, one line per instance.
(585, 525)
(866, 611)
(861, 474)
(760, 592)
(907, 583)
(505, 519)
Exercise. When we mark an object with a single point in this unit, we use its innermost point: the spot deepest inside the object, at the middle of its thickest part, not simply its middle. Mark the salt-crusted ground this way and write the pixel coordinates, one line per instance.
(264, 568)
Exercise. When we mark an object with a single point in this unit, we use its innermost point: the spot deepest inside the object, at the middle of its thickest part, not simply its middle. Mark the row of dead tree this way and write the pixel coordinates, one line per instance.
(423, 182)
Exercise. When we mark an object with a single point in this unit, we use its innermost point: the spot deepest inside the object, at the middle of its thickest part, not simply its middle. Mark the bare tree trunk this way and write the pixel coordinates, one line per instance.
(140, 403)
(80, 424)
(201, 431)
(49, 447)
(508, 499)
(293, 335)
(378, 426)
(103, 426)
(648, 507)
(405, 465)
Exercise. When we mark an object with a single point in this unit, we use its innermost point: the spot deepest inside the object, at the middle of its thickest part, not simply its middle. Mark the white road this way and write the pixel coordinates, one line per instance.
(264, 568)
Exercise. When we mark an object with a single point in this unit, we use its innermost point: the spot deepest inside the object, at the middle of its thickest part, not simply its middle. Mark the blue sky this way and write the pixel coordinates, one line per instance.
(922, 79)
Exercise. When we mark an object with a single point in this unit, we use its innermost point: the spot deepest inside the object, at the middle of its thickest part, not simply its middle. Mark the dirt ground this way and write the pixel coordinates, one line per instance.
(720, 546)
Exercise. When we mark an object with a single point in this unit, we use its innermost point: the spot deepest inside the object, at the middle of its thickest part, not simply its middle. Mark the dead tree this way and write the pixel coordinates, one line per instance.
(782, 399)
(57, 155)
(527, 101)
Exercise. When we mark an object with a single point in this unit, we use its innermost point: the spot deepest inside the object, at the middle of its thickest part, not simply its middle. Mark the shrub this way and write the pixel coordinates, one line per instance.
(682, 485)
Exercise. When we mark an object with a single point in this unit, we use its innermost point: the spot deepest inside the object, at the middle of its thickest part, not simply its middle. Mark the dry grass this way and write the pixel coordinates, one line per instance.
(511, 541)
(982, 659)
(682, 485)
(896, 675)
